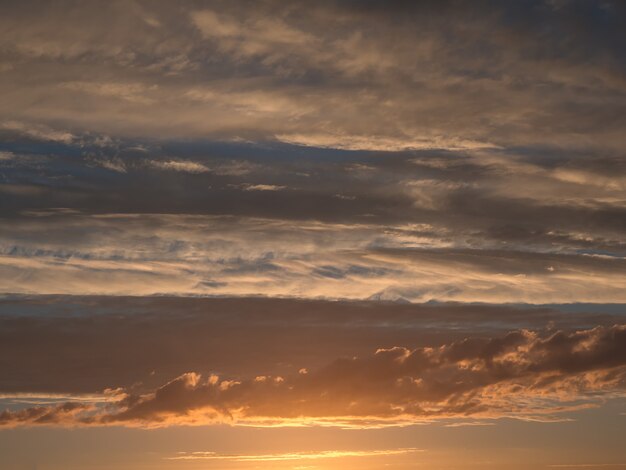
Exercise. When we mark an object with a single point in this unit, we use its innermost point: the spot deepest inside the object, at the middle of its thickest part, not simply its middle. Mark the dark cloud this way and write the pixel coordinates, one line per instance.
(488, 377)
(48, 415)
(99, 342)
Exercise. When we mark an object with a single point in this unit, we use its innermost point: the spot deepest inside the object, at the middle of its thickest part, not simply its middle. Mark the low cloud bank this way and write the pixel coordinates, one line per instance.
(523, 374)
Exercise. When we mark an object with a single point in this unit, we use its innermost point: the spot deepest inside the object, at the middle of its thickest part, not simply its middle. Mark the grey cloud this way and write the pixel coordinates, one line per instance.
(334, 272)
(65, 252)
(334, 75)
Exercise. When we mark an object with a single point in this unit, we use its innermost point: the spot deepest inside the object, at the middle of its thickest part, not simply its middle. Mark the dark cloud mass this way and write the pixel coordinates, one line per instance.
(112, 356)
(486, 377)
(110, 342)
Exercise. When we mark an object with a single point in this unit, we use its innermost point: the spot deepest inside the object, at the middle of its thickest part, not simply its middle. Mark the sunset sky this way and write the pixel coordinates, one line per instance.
(326, 235)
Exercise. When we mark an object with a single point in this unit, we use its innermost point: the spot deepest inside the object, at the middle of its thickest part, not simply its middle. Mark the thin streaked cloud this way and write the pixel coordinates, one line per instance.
(326, 454)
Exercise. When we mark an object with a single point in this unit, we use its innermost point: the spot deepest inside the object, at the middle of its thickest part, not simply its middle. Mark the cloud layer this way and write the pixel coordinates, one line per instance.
(116, 342)
(65, 252)
(342, 150)
(522, 374)
(348, 75)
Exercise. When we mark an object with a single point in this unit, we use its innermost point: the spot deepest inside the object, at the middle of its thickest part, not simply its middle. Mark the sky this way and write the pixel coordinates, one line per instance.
(327, 235)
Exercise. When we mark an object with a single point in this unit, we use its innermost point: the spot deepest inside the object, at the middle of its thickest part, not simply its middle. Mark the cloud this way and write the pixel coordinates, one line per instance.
(178, 165)
(338, 75)
(114, 164)
(522, 374)
(381, 143)
(249, 36)
(48, 415)
(81, 329)
(39, 132)
(327, 454)
(133, 92)
(261, 187)
(356, 128)
(241, 256)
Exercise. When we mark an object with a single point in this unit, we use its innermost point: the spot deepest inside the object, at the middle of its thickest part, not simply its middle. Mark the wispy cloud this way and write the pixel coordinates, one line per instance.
(261, 187)
(288, 456)
(419, 79)
(38, 131)
(382, 143)
(186, 166)
(207, 255)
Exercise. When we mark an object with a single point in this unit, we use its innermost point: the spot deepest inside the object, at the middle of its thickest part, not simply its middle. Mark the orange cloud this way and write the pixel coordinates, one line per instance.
(521, 374)
(327, 454)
